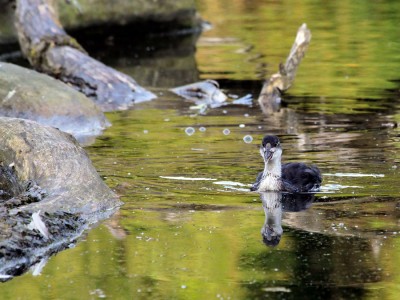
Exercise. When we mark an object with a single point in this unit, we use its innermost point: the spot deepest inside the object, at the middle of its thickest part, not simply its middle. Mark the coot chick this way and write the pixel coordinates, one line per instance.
(289, 177)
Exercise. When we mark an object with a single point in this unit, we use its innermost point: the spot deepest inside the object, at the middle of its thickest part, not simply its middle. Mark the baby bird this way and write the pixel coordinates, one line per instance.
(289, 177)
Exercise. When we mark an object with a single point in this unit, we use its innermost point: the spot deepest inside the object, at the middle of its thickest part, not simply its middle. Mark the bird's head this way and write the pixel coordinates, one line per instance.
(270, 148)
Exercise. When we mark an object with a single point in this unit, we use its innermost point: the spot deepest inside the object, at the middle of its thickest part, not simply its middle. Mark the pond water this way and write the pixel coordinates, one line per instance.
(189, 228)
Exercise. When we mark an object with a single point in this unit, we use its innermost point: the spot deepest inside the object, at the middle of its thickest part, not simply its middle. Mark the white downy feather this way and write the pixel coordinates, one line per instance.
(38, 224)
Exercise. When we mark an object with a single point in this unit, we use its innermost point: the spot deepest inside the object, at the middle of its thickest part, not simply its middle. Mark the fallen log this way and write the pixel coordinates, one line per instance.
(51, 50)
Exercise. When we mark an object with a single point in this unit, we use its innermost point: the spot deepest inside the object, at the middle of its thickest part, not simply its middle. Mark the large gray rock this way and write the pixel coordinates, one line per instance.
(49, 194)
(55, 162)
(30, 95)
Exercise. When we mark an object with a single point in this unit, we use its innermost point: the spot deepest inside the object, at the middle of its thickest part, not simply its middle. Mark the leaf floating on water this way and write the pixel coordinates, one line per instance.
(38, 224)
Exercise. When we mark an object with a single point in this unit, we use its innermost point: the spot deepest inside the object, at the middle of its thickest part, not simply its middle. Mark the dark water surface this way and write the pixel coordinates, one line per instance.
(189, 228)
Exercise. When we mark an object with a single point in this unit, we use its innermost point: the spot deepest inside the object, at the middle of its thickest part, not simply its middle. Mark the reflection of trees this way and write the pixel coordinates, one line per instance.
(364, 218)
(342, 111)
(319, 266)
(322, 257)
(156, 61)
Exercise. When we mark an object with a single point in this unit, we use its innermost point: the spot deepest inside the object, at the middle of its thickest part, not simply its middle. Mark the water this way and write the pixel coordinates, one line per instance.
(189, 228)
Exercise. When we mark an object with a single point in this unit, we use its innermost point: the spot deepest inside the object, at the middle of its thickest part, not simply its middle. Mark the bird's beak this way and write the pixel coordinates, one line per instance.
(267, 153)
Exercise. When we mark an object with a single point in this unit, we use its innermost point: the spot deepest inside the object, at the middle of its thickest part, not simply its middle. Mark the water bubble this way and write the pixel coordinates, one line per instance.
(226, 131)
(189, 131)
(202, 129)
(242, 126)
(247, 139)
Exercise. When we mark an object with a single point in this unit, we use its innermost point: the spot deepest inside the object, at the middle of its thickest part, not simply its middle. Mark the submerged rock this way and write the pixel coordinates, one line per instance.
(30, 95)
(50, 193)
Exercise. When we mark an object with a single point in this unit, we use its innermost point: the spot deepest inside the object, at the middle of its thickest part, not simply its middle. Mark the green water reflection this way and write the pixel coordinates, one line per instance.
(200, 239)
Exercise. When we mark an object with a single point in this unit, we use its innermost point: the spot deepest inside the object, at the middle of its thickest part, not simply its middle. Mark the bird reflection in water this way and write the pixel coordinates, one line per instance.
(274, 204)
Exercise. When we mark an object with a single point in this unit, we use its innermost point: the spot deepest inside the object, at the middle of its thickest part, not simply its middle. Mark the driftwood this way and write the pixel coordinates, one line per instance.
(51, 50)
(270, 96)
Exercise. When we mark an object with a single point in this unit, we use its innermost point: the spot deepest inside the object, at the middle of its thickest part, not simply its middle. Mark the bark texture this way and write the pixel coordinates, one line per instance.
(51, 50)
(270, 96)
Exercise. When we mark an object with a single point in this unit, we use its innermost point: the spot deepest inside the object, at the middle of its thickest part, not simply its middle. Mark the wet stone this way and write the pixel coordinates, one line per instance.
(37, 217)
(30, 95)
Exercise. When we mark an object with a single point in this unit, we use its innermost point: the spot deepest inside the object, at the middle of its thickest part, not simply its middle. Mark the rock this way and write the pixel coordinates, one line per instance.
(173, 13)
(50, 193)
(55, 162)
(166, 15)
(30, 95)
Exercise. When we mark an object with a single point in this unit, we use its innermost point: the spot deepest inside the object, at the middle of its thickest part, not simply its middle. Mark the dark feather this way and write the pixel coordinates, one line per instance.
(299, 177)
